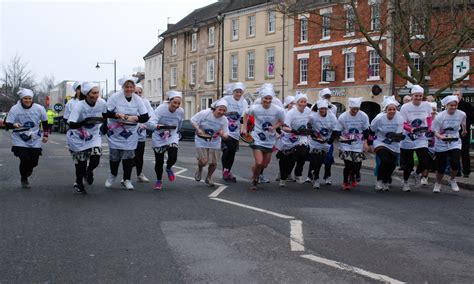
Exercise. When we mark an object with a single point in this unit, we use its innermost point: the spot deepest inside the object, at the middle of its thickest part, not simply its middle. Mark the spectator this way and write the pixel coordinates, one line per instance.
(467, 108)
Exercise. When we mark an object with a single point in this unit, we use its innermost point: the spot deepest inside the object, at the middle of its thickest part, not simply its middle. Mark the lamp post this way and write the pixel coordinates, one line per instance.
(115, 72)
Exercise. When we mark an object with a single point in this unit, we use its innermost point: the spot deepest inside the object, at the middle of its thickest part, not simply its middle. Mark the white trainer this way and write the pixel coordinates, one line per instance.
(437, 188)
(282, 183)
(142, 178)
(454, 185)
(128, 184)
(417, 181)
(328, 181)
(406, 186)
(110, 180)
(299, 180)
(316, 184)
(424, 181)
(378, 185)
(385, 186)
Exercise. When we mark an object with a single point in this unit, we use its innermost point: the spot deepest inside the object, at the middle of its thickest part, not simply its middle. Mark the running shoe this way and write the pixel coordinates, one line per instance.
(424, 181)
(299, 180)
(254, 185)
(454, 185)
(198, 175)
(25, 183)
(110, 180)
(417, 181)
(282, 183)
(142, 178)
(385, 187)
(170, 173)
(406, 186)
(378, 185)
(354, 183)
(328, 180)
(128, 184)
(316, 184)
(263, 179)
(437, 188)
(158, 185)
(209, 181)
(80, 188)
(346, 186)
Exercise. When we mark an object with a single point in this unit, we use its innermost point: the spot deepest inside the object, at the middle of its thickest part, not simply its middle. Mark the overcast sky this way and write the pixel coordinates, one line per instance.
(67, 38)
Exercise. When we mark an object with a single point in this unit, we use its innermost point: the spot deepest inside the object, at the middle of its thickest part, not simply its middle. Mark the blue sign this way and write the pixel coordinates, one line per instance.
(58, 107)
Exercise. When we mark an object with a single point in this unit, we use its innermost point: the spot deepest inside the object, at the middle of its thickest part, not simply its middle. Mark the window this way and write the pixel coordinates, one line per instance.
(415, 60)
(206, 103)
(350, 21)
(270, 62)
(235, 29)
(174, 46)
(250, 65)
(174, 76)
(326, 26)
(251, 25)
(304, 30)
(149, 86)
(375, 17)
(194, 42)
(234, 67)
(415, 27)
(374, 64)
(210, 36)
(210, 70)
(325, 65)
(349, 70)
(193, 74)
(271, 21)
(303, 70)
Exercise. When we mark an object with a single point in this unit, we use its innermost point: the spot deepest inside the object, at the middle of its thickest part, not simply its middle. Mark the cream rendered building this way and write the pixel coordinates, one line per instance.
(153, 86)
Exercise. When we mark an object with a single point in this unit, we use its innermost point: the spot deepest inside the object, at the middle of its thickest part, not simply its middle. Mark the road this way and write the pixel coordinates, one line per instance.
(189, 232)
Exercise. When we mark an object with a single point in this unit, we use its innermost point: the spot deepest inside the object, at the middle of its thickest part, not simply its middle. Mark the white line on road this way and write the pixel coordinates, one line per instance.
(296, 235)
(181, 170)
(52, 142)
(218, 191)
(343, 266)
(254, 208)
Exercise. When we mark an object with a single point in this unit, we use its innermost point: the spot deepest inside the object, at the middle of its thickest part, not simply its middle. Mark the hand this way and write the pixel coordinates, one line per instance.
(366, 147)
(132, 118)
(45, 139)
(16, 125)
(464, 133)
(243, 130)
(199, 131)
(142, 126)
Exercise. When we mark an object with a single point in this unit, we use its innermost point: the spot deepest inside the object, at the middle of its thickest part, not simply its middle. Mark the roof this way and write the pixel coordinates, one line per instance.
(155, 50)
(238, 5)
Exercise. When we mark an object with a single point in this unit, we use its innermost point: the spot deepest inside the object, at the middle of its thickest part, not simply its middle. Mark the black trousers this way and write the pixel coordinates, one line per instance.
(406, 155)
(229, 148)
(83, 169)
(127, 165)
(442, 160)
(139, 152)
(465, 156)
(388, 163)
(160, 160)
(315, 164)
(29, 158)
(351, 169)
(296, 157)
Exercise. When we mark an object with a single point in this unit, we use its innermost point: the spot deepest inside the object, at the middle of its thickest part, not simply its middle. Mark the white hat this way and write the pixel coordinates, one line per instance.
(389, 100)
(228, 89)
(417, 89)
(434, 105)
(322, 103)
(288, 100)
(449, 99)
(76, 85)
(219, 103)
(172, 94)
(266, 92)
(324, 92)
(238, 86)
(25, 93)
(355, 102)
(300, 96)
(127, 78)
(265, 86)
(138, 85)
(86, 87)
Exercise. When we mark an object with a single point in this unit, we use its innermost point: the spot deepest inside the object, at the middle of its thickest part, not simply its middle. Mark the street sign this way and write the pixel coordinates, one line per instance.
(58, 107)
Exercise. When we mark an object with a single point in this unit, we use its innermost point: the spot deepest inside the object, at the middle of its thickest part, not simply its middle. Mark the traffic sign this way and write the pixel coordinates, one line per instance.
(58, 107)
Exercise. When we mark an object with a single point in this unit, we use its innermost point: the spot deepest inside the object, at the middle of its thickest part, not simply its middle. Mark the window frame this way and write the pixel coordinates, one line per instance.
(234, 66)
(267, 61)
(374, 61)
(347, 67)
(174, 46)
(173, 76)
(325, 26)
(210, 68)
(193, 73)
(251, 26)
(234, 29)
(271, 22)
(209, 37)
(304, 30)
(250, 67)
(325, 65)
(303, 72)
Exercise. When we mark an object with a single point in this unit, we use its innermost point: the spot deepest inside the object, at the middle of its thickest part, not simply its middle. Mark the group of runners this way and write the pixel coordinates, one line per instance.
(297, 131)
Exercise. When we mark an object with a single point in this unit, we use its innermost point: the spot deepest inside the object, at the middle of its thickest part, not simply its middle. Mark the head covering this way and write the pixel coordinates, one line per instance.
(322, 103)
(265, 86)
(389, 100)
(238, 86)
(324, 92)
(288, 100)
(138, 85)
(25, 93)
(434, 105)
(173, 94)
(416, 89)
(219, 103)
(86, 87)
(76, 85)
(300, 96)
(127, 78)
(355, 102)
(266, 92)
(449, 99)
(228, 89)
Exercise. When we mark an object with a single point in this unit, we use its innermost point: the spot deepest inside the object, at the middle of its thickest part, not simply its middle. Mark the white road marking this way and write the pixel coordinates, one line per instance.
(254, 208)
(218, 191)
(53, 142)
(353, 269)
(296, 235)
(181, 170)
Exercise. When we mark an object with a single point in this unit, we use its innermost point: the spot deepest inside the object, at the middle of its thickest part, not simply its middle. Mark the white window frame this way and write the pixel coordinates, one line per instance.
(234, 67)
(270, 59)
(374, 65)
(194, 42)
(350, 21)
(210, 70)
(271, 21)
(325, 63)
(415, 60)
(349, 67)
(303, 70)
(234, 29)
(173, 76)
(251, 65)
(304, 30)
(193, 73)
(415, 29)
(206, 102)
(326, 26)
(174, 46)
(251, 25)
(211, 36)
(375, 17)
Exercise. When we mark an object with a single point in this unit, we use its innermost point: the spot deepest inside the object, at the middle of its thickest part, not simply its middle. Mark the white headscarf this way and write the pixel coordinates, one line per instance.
(138, 85)
(265, 86)
(76, 85)
(434, 105)
(389, 100)
(86, 87)
(417, 89)
(324, 92)
(219, 103)
(173, 94)
(238, 86)
(266, 92)
(322, 103)
(355, 102)
(288, 100)
(25, 93)
(449, 99)
(127, 78)
(300, 96)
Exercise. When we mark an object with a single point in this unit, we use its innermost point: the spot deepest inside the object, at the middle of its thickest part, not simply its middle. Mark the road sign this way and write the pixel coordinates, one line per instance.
(58, 107)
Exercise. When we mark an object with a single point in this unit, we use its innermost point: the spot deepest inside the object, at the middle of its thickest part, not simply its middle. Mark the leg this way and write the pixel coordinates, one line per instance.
(423, 160)
(127, 166)
(286, 163)
(159, 161)
(406, 155)
(466, 159)
(300, 159)
(256, 168)
(172, 157)
(455, 156)
(347, 170)
(139, 152)
(114, 166)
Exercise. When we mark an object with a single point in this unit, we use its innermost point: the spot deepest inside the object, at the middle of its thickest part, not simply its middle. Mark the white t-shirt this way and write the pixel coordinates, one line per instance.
(141, 126)
(236, 109)
(448, 124)
(87, 136)
(295, 120)
(351, 127)
(323, 127)
(211, 125)
(163, 116)
(416, 116)
(69, 107)
(30, 117)
(382, 126)
(264, 118)
(121, 136)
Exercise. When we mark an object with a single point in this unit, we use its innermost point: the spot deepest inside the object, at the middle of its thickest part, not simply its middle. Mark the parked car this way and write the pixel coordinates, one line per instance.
(187, 131)
(3, 118)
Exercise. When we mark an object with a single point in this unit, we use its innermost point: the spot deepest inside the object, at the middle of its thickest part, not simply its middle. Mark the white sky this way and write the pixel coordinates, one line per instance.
(67, 38)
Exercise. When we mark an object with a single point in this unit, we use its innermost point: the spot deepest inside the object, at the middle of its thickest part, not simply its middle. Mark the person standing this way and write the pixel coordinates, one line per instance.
(465, 140)
(25, 118)
(125, 110)
(446, 127)
(85, 142)
(329, 159)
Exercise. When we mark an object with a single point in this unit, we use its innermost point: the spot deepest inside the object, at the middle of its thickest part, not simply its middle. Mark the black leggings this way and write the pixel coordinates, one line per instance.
(82, 169)
(287, 162)
(160, 160)
(139, 152)
(229, 148)
(127, 168)
(406, 155)
(454, 156)
(388, 163)
(316, 161)
(27, 164)
(351, 169)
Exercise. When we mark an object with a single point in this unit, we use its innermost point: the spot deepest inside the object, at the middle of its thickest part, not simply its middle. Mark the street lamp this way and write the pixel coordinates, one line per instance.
(115, 72)
(195, 26)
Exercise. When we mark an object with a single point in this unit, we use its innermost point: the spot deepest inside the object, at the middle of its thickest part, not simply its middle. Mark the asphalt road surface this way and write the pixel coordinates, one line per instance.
(189, 232)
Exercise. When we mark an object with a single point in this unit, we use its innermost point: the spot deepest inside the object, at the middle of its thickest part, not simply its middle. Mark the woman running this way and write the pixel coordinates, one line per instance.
(329, 160)
(25, 118)
(166, 122)
(85, 142)
(446, 128)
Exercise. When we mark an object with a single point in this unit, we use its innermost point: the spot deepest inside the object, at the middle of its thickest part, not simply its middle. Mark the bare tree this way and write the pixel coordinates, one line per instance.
(17, 75)
(43, 89)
